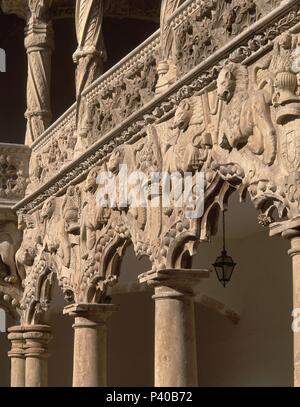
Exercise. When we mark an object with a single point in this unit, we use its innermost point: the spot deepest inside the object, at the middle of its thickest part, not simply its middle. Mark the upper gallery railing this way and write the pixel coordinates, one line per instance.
(201, 28)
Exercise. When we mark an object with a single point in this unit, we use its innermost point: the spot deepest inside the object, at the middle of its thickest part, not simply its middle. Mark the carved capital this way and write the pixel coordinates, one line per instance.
(36, 339)
(294, 236)
(39, 37)
(15, 336)
(169, 282)
(88, 315)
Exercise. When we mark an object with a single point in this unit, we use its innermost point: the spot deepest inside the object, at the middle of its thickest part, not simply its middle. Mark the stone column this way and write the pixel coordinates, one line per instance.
(90, 343)
(17, 356)
(90, 54)
(294, 252)
(36, 338)
(89, 58)
(39, 44)
(175, 339)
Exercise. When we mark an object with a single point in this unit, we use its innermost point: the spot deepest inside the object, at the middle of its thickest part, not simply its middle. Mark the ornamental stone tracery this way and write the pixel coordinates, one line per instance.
(216, 92)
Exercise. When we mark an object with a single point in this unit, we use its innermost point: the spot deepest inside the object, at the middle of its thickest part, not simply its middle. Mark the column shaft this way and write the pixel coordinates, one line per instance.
(17, 357)
(90, 343)
(36, 351)
(294, 252)
(39, 45)
(90, 346)
(175, 339)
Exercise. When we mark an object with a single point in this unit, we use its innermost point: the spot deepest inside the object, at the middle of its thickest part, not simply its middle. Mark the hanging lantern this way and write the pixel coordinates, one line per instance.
(224, 264)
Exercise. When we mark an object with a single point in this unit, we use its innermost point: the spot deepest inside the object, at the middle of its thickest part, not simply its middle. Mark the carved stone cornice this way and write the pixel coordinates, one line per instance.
(247, 45)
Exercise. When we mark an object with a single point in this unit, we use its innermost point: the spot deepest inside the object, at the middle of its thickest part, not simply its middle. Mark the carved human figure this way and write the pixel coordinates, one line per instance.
(70, 209)
(167, 37)
(166, 68)
(84, 125)
(246, 118)
(187, 150)
(89, 214)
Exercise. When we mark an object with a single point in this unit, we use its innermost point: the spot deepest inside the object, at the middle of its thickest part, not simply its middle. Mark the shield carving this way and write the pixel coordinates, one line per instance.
(291, 146)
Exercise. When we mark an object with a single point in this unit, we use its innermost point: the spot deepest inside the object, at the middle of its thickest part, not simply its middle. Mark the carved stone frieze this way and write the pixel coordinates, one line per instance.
(212, 25)
(97, 117)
